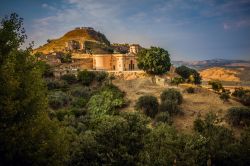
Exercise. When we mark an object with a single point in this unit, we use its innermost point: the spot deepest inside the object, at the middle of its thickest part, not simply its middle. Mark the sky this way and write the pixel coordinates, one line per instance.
(188, 29)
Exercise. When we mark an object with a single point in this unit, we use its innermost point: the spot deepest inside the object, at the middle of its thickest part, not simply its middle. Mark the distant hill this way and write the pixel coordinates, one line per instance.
(94, 41)
(213, 63)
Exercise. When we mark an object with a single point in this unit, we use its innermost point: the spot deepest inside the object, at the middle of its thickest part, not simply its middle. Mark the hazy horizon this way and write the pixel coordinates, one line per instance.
(189, 29)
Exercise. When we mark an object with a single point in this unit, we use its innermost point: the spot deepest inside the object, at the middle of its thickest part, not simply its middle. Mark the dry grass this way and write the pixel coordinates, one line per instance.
(197, 104)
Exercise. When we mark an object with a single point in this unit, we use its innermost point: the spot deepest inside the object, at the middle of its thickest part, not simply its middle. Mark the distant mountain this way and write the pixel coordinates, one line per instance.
(93, 40)
(213, 63)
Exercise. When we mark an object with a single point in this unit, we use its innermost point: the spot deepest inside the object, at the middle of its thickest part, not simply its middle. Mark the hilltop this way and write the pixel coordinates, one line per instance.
(92, 39)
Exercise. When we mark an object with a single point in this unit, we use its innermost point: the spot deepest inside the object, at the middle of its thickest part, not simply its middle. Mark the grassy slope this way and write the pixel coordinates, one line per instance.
(78, 35)
(196, 104)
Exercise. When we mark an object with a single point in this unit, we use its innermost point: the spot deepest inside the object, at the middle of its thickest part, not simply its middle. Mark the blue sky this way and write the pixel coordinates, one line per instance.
(188, 29)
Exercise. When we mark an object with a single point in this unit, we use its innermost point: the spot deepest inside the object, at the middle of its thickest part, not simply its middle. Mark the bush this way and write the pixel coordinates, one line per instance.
(101, 76)
(239, 92)
(238, 116)
(171, 94)
(148, 104)
(58, 100)
(224, 96)
(177, 80)
(169, 106)
(57, 84)
(191, 75)
(69, 78)
(106, 101)
(216, 85)
(81, 92)
(163, 117)
(80, 102)
(199, 125)
(86, 77)
(190, 90)
(245, 99)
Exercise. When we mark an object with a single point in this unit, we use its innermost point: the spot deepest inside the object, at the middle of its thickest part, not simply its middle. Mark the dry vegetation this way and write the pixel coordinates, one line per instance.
(219, 73)
(197, 104)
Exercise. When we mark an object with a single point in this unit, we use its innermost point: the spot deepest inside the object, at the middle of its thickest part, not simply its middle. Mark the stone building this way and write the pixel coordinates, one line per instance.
(117, 62)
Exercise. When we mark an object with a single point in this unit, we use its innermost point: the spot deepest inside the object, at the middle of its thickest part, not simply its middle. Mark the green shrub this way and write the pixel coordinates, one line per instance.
(86, 77)
(81, 92)
(171, 94)
(106, 101)
(199, 125)
(148, 104)
(216, 85)
(239, 116)
(58, 100)
(57, 84)
(169, 106)
(69, 78)
(190, 75)
(243, 95)
(177, 80)
(80, 102)
(163, 117)
(190, 90)
(116, 91)
(245, 99)
(224, 96)
(239, 92)
(101, 76)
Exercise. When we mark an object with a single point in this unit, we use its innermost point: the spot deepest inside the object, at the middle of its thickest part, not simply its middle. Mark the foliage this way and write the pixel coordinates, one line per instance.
(27, 135)
(46, 69)
(57, 84)
(84, 92)
(111, 140)
(106, 101)
(69, 78)
(171, 94)
(66, 58)
(224, 96)
(221, 146)
(177, 80)
(243, 95)
(163, 117)
(216, 85)
(58, 99)
(80, 102)
(239, 116)
(169, 106)
(239, 92)
(101, 76)
(154, 61)
(148, 105)
(190, 90)
(86, 77)
(191, 75)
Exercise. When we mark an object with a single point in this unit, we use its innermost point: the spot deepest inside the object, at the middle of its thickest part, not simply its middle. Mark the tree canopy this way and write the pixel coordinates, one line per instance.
(155, 61)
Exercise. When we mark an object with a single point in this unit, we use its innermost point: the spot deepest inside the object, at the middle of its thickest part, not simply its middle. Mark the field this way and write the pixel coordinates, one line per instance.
(197, 104)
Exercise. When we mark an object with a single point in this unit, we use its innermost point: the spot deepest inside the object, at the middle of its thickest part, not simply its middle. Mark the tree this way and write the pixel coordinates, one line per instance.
(66, 58)
(177, 80)
(216, 85)
(86, 77)
(225, 95)
(190, 75)
(27, 135)
(172, 95)
(155, 61)
(148, 105)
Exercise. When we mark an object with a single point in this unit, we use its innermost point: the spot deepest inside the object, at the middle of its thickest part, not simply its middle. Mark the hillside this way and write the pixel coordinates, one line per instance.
(95, 41)
(219, 73)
